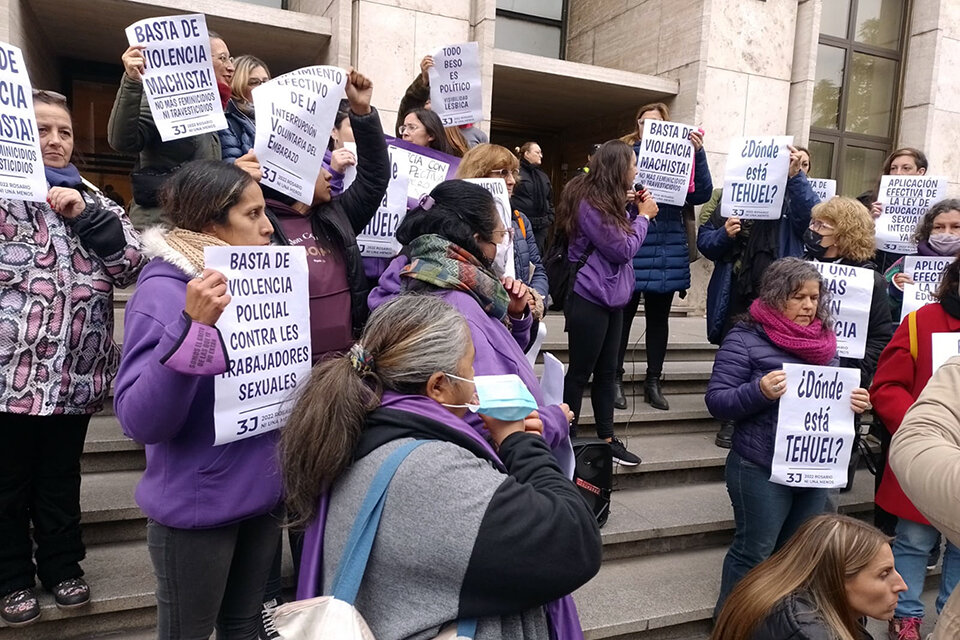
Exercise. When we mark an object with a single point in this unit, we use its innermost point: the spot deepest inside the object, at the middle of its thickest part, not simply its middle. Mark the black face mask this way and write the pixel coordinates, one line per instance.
(812, 240)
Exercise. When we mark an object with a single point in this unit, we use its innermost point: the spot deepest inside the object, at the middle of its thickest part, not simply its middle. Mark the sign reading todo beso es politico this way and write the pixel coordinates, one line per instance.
(178, 76)
(905, 199)
(851, 291)
(815, 427)
(266, 328)
(295, 114)
(21, 161)
(455, 93)
(665, 161)
(756, 178)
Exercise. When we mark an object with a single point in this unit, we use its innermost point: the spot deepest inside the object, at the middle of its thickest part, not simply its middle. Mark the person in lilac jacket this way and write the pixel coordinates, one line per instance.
(594, 216)
(454, 247)
(214, 511)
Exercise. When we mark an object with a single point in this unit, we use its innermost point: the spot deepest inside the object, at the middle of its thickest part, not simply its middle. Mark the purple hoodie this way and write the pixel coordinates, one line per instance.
(607, 278)
(497, 352)
(166, 402)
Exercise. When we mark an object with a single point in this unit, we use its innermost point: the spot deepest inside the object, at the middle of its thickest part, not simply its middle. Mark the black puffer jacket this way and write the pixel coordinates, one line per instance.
(533, 196)
(796, 618)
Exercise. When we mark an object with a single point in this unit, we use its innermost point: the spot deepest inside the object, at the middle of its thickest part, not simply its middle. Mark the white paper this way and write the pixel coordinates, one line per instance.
(21, 161)
(926, 270)
(824, 188)
(295, 114)
(916, 296)
(905, 199)
(852, 294)
(178, 77)
(498, 188)
(266, 328)
(756, 178)
(551, 382)
(350, 172)
(815, 427)
(534, 349)
(424, 173)
(665, 162)
(378, 238)
(455, 92)
(945, 346)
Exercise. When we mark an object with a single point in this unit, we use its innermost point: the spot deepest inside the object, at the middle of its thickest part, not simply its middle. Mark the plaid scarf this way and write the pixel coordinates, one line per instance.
(437, 261)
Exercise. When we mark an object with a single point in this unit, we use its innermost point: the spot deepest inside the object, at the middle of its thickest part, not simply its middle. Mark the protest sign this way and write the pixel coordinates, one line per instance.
(427, 168)
(498, 189)
(377, 240)
(926, 270)
(350, 172)
(665, 161)
(178, 75)
(266, 329)
(815, 427)
(551, 381)
(916, 296)
(945, 346)
(851, 291)
(455, 93)
(295, 113)
(21, 161)
(904, 200)
(825, 189)
(756, 178)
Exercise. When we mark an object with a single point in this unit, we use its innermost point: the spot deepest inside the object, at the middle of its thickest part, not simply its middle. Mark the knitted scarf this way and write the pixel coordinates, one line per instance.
(191, 244)
(815, 343)
(441, 263)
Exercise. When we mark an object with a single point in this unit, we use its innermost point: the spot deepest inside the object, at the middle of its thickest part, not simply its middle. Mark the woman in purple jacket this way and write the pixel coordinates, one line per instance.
(789, 322)
(594, 216)
(214, 519)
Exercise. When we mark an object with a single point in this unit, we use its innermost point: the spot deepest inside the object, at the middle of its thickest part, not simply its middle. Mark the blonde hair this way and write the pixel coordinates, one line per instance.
(243, 66)
(455, 141)
(664, 111)
(854, 226)
(824, 553)
(484, 158)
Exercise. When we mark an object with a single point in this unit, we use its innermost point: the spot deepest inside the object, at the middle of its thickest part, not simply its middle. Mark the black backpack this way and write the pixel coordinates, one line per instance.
(593, 474)
(561, 274)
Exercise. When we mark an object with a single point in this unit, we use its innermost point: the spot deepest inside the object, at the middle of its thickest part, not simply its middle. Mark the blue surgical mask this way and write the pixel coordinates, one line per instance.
(502, 397)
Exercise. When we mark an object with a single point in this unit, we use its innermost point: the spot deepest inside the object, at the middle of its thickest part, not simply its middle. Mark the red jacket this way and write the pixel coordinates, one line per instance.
(897, 384)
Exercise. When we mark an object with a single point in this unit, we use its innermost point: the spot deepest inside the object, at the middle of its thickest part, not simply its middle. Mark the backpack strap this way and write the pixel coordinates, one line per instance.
(912, 331)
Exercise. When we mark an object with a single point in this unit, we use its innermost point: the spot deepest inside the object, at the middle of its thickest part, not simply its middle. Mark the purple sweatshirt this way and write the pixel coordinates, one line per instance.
(607, 278)
(164, 399)
(497, 352)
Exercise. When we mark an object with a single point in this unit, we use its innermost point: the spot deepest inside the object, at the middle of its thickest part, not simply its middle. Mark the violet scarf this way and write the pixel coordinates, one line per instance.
(816, 343)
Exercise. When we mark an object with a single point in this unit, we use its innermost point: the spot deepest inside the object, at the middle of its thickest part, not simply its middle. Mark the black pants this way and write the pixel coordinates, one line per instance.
(210, 578)
(40, 483)
(656, 309)
(593, 334)
(275, 581)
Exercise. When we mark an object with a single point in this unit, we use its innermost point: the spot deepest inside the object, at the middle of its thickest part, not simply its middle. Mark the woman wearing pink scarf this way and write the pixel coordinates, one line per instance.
(789, 323)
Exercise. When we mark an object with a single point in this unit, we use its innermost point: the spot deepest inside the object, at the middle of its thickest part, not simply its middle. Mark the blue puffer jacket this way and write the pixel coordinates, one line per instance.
(662, 265)
(525, 253)
(239, 135)
(733, 392)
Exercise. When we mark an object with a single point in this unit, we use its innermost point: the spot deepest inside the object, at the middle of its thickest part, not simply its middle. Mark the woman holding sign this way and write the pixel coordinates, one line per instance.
(906, 366)
(214, 511)
(906, 161)
(238, 138)
(789, 323)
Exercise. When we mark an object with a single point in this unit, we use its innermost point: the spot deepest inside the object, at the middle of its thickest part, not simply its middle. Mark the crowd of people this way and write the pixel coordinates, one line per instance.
(433, 346)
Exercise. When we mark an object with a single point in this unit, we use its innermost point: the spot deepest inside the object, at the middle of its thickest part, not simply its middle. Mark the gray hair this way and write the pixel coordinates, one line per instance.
(785, 276)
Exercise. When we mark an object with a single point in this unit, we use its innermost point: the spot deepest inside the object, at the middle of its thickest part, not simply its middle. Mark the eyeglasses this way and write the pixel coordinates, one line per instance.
(504, 173)
(223, 57)
(256, 82)
(53, 96)
(405, 128)
(818, 225)
(497, 236)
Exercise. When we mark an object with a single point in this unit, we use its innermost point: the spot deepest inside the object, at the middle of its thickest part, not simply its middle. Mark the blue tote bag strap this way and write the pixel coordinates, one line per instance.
(467, 628)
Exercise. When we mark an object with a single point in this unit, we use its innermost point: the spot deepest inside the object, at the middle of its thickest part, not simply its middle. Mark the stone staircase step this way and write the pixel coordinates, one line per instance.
(670, 459)
(109, 512)
(107, 448)
(687, 413)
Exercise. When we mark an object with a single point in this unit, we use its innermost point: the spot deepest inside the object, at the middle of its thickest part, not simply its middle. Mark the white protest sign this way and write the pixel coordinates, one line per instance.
(178, 75)
(815, 427)
(424, 172)
(455, 93)
(350, 172)
(756, 178)
(551, 381)
(665, 161)
(905, 199)
(916, 296)
(295, 114)
(825, 189)
(266, 327)
(926, 270)
(852, 294)
(21, 161)
(377, 240)
(498, 189)
(945, 346)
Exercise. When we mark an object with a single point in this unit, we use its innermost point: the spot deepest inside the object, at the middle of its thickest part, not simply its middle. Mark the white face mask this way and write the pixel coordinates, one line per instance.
(500, 260)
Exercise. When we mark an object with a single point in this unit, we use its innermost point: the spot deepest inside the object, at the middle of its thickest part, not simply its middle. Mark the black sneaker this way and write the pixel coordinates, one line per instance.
(71, 593)
(20, 608)
(267, 629)
(621, 455)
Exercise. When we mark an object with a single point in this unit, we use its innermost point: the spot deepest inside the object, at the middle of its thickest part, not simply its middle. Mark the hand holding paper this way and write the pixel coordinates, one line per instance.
(133, 62)
(859, 400)
(207, 297)
(66, 202)
(249, 163)
(774, 384)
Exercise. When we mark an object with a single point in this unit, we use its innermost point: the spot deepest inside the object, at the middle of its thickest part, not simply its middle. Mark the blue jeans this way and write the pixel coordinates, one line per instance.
(911, 548)
(766, 515)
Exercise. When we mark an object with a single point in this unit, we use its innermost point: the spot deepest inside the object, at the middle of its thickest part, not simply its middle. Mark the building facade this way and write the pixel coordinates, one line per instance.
(851, 79)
